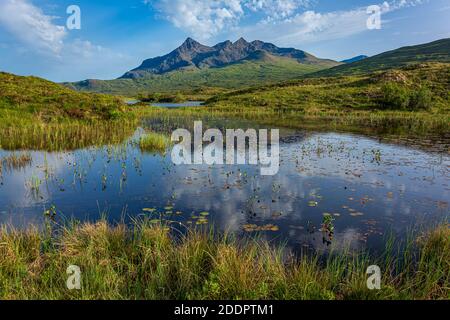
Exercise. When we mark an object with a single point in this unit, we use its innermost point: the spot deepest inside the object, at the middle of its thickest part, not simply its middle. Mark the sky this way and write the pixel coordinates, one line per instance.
(115, 36)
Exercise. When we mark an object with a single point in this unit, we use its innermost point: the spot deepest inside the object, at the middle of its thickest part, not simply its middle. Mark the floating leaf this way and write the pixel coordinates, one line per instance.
(313, 203)
(356, 214)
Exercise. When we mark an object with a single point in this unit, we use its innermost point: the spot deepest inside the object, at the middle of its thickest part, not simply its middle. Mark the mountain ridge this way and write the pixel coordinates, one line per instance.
(241, 64)
(194, 55)
(435, 51)
(354, 59)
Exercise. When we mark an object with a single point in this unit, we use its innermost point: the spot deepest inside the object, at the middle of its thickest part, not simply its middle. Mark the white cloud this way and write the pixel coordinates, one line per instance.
(310, 26)
(29, 24)
(207, 18)
(202, 18)
(277, 9)
(284, 21)
(46, 48)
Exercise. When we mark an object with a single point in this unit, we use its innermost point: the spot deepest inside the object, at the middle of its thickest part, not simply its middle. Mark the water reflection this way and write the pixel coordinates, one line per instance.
(368, 187)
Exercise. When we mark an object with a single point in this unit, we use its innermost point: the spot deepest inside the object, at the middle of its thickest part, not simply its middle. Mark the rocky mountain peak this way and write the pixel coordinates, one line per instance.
(194, 55)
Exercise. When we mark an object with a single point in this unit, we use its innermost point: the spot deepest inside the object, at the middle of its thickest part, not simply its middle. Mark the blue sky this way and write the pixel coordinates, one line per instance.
(116, 35)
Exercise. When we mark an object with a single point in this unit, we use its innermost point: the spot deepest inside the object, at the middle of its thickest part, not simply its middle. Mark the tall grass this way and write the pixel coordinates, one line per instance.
(144, 261)
(25, 131)
(154, 142)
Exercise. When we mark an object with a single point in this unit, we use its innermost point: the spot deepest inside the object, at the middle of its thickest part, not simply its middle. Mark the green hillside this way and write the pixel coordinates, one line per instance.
(350, 92)
(412, 99)
(38, 97)
(437, 51)
(269, 69)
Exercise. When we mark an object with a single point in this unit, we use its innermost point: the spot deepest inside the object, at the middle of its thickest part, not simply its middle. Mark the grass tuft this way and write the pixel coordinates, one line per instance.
(144, 261)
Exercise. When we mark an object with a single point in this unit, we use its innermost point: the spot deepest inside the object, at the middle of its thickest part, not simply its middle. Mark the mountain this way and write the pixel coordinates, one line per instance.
(354, 59)
(192, 55)
(436, 51)
(225, 65)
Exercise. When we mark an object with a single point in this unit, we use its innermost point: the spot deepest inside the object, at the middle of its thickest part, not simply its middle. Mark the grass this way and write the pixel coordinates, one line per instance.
(40, 115)
(412, 100)
(437, 51)
(154, 142)
(47, 100)
(37, 114)
(65, 135)
(143, 261)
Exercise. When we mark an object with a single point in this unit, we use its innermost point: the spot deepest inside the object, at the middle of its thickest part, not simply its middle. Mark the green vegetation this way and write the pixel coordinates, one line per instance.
(239, 75)
(414, 99)
(437, 51)
(398, 97)
(143, 261)
(46, 100)
(39, 114)
(64, 135)
(154, 142)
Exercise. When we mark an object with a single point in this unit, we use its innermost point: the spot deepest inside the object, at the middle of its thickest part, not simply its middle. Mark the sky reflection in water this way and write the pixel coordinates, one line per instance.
(369, 187)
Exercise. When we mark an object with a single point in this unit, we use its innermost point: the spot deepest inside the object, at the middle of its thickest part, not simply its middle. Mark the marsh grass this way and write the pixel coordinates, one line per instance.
(145, 261)
(402, 123)
(65, 134)
(154, 142)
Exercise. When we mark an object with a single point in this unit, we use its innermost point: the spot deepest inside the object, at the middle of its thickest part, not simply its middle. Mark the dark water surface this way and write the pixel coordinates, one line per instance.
(170, 104)
(371, 188)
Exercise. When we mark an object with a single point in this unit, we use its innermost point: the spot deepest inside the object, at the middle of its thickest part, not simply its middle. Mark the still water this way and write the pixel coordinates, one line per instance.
(370, 188)
(170, 105)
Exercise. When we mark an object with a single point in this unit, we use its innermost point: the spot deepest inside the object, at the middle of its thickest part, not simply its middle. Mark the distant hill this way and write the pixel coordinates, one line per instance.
(45, 99)
(354, 59)
(437, 51)
(346, 93)
(225, 65)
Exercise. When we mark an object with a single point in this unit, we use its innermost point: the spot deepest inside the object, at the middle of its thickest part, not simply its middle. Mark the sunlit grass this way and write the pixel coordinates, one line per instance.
(143, 261)
(154, 142)
(65, 134)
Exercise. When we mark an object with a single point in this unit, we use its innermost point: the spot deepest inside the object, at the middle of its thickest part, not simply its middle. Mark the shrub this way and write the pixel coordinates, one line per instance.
(421, 99)
(399, 97)
(394, 96)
